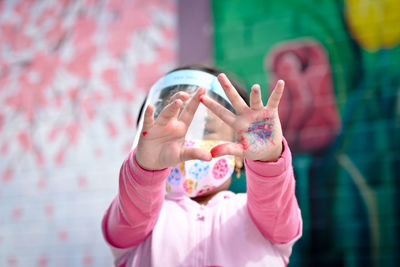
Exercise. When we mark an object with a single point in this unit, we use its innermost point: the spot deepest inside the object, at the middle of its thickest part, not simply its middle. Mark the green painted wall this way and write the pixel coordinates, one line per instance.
(348, 189)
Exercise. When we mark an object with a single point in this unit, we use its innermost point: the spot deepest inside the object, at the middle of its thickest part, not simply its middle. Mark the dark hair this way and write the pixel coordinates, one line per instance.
(214, 71)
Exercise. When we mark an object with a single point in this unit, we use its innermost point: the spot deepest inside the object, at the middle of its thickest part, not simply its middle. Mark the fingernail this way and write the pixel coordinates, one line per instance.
(144, 133)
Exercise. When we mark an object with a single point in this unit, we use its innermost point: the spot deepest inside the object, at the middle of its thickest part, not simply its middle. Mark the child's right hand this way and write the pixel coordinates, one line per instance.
(161, 143)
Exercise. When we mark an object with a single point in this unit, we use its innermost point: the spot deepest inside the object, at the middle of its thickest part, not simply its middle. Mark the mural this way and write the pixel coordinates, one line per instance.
(73, 75)
(308, 109)
(373, 24)
(340, 114)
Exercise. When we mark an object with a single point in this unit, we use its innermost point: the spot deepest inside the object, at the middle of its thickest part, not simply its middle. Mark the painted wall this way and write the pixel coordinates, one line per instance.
(340, 114)
(72, 77)
(73, 74)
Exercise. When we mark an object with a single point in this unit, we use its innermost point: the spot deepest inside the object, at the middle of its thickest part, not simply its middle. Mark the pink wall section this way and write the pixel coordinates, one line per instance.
(72, 77)
(195, 32)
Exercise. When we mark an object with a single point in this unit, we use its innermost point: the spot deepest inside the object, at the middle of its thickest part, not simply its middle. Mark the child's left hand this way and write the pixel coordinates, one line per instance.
(258, 127)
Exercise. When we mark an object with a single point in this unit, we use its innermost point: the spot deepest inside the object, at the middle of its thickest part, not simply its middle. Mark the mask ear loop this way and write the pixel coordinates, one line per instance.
(238, 172)
(238, 166)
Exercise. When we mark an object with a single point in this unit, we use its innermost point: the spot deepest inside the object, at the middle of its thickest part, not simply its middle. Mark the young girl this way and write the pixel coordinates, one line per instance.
(173, 207)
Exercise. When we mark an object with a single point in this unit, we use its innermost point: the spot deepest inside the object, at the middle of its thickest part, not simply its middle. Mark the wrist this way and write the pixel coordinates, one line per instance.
(141, 161)
(275, 155)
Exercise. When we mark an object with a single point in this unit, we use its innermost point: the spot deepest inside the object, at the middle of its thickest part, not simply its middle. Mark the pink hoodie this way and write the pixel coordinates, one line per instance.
(146, 228)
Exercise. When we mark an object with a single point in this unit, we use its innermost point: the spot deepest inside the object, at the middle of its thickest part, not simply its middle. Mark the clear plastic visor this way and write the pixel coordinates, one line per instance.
(205, 125)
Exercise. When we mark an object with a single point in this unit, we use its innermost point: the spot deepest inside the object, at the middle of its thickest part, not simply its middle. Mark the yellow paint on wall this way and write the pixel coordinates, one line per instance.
(374, 24)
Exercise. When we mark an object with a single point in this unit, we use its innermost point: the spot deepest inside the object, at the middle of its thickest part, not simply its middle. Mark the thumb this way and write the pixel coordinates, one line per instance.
(190, 153)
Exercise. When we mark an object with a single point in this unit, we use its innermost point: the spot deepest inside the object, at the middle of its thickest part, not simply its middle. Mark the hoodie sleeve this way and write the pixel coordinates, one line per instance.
(271, 199)
(133, 213)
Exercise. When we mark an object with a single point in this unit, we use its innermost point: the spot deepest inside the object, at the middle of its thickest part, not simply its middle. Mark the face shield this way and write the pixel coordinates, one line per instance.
(205, 125)
(195, 177)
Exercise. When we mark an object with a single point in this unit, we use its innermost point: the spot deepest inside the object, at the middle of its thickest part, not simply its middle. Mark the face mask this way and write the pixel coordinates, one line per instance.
(196, 177)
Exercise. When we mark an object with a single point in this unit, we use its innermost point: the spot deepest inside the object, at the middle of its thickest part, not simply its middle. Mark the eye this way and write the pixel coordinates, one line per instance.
(208, 131)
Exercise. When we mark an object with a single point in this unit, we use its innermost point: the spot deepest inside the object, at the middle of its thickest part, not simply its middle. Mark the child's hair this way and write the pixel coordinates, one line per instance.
(214, 71)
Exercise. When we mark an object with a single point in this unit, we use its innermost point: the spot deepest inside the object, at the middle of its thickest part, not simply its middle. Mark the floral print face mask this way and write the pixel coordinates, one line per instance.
(196, 177)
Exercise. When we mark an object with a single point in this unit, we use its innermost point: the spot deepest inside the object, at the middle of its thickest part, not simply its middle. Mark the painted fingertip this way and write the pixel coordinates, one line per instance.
(256, 89)
(144, 133)
(216, 151)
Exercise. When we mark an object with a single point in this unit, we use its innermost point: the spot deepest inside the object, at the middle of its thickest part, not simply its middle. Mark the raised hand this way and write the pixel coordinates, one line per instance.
(161, 144)
(258, 129)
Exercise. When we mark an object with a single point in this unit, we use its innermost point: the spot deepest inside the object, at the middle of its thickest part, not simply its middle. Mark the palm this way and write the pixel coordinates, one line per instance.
(166, 142)
(257, 127)
(161, 144)
(258, 134)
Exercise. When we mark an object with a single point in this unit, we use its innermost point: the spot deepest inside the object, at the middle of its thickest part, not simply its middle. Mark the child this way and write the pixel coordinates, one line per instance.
(188, 153)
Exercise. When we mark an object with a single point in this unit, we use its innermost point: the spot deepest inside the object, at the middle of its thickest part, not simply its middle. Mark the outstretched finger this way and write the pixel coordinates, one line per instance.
(227, 149)
(275, 97)
(179, 95)
(255, 98)
(189, 110)
(237, 101)
(148, 118)
(169, 112)
(223, 113)
(189, 153)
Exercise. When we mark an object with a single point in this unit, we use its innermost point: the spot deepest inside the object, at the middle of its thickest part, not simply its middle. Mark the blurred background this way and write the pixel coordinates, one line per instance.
(73, 75)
